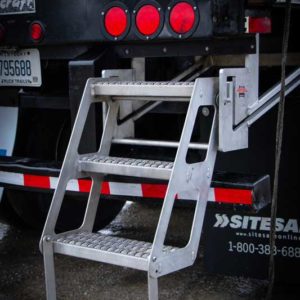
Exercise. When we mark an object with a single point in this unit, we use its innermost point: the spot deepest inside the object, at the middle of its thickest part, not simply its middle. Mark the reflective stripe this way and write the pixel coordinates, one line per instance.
(237, 196)
(42, 182)
(11, 178)
(84, 185)
(146, 190)
(127, 189)
(53, 182)
(154, 190)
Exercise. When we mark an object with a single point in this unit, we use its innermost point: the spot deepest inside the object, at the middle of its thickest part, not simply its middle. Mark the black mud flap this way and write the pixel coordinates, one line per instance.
(237, 244)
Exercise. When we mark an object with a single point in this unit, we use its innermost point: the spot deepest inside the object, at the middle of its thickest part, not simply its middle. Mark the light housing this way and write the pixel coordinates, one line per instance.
(115, 21)
(183, 18)
(37, 31)
(148, 19)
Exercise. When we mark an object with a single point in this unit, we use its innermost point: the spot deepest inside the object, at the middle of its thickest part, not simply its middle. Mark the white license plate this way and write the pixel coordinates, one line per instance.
(20, 68)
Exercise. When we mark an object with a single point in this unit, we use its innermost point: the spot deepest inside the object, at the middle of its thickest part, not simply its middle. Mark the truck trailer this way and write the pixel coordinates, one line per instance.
(171, 102)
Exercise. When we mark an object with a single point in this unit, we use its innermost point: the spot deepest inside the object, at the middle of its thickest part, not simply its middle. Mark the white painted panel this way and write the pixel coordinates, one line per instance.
(8, 129)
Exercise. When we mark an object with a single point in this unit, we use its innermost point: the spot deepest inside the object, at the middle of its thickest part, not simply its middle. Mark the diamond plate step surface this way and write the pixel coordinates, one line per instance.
(108, 249)
(141, 88)
(95, 163)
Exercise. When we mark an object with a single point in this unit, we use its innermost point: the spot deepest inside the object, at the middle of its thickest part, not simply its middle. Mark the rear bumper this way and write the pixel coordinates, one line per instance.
(226, 188)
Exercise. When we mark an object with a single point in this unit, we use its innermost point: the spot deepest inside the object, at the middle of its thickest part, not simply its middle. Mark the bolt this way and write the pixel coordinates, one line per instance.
(188, 175)
(48, 239)
(126, 11)
(180, 36)
(126, 51)
(206, 48)
(193, 255)
(147, 37)
(205, 111)
(208, 173)
(159, 9)
(102, 13)
(93, 90)
(116, 38)
(169, 8)
(165, 50)
(134, 11)
(195, 8)
(252, 46)
(153, 258)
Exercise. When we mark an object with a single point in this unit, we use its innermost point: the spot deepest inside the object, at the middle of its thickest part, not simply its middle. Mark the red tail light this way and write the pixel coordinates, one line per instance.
(182, 17)
(148, 20)
(116, 21)
(36, 31)
(259, 25)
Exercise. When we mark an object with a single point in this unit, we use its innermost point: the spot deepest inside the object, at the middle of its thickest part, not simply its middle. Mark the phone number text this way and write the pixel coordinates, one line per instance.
(263, 249)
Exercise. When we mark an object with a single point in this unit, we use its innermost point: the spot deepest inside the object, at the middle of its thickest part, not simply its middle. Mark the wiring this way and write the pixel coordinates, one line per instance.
(278, 150)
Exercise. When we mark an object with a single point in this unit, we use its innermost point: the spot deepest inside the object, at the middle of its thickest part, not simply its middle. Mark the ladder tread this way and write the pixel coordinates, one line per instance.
(106, 248)
(143, 88)
(147, 83)
(95, 162)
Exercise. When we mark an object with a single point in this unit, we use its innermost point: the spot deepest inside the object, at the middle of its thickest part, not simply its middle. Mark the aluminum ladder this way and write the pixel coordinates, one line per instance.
(156, 258)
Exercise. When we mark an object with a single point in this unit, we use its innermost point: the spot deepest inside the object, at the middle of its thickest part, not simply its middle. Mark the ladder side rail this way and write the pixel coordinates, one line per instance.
(49, 267)
(69, 169)
(92, 204)
(203, 178)
(109, 128)
(182, 172)
(97, 180)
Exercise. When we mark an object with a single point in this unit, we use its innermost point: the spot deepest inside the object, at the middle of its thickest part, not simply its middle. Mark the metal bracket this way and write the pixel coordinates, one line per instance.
(239, 103)
(238, 92)
(125, 130)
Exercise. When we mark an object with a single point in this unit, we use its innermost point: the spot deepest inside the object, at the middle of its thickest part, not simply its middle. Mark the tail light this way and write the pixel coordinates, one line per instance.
(183, 18)
(148, 20)
(36, 31)
(258, 25)
(116, 22)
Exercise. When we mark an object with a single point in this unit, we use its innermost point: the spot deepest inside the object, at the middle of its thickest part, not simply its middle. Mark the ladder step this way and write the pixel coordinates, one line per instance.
(155, 169)
(108, 249)
(141, 88)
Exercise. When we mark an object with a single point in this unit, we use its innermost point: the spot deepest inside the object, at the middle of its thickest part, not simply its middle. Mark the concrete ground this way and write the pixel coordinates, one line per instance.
(22, 277)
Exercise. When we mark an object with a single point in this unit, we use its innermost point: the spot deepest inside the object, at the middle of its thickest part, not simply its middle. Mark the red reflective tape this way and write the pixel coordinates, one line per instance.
(105, 190)
(84, 185)
(260, 25)
(222, 195)
(35, 181)
(233, 196)
(154, 190)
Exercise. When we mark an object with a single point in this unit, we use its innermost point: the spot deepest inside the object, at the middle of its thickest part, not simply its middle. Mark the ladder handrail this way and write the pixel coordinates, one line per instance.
(159, 143)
